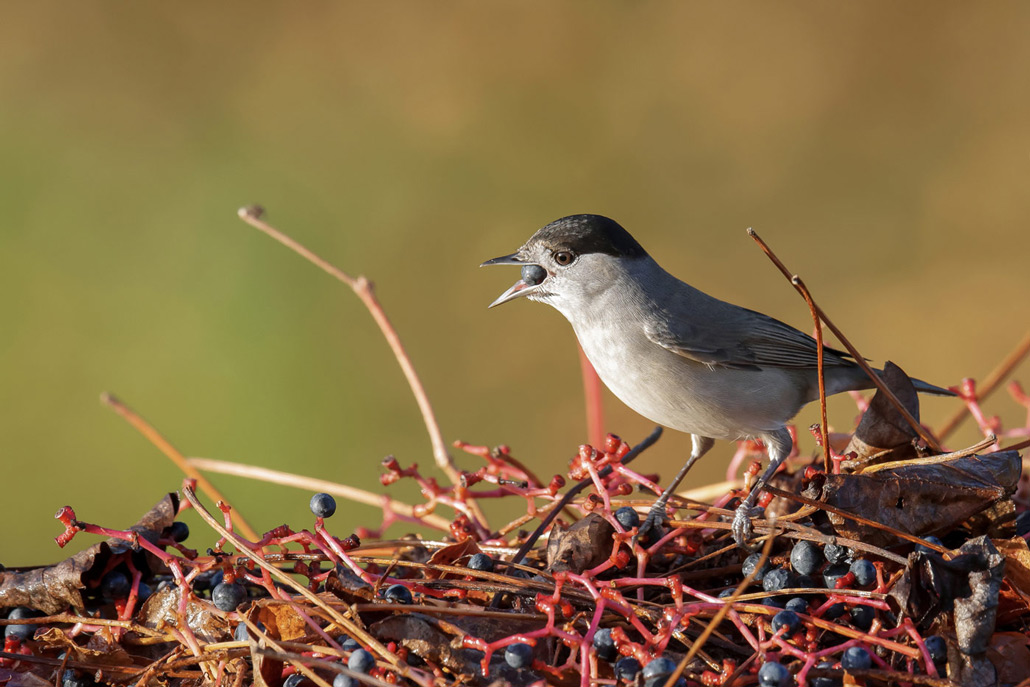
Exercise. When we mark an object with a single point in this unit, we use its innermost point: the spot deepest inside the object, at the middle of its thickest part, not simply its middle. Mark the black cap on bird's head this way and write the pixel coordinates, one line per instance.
(559, 244)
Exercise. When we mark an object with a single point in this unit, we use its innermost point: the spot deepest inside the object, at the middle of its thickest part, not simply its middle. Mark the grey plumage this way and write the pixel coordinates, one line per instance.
(672, 353)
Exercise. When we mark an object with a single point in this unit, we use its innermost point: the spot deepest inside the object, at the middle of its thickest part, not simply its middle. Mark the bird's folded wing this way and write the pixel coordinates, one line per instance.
(745, 339)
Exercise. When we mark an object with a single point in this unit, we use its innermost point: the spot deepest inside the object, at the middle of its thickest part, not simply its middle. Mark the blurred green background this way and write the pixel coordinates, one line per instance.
(883, 150)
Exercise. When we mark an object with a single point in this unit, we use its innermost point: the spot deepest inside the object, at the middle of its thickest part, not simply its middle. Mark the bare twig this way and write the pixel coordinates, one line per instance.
(165, 446)
(992, 382)
(820, 354)
(364, 290)
(859, 360)
(312, 484)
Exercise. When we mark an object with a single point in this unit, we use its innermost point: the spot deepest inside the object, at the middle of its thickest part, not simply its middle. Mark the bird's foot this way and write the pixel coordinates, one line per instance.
(742, 529)
(653, 526)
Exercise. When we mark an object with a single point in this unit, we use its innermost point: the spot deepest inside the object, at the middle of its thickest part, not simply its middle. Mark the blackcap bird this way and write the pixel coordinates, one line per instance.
(676, 355)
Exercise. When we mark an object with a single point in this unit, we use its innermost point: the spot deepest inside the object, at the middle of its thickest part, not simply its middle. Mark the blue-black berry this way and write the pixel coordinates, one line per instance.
(834, 611)
(777, 579)
(228, 597)
(480, 561)
(862, 617)
(832, 573)
(937, 647)
(350, 644)
(22, 632)
(856, 658)
(293, 680)
(519, 655)
(922, 548)
(786, 619)
(361, 661)
(751, 562)
(805, 557)
(626, 668)
(627, 517)
(775, 602)
(798, 604)
(179, 531)
(398, 594)
(772, 674)
(342, 680)
(865, 572)
(658, 670)
(824, 681)
(115, 585)
(323, 505)
(533, 274)
(242, 633)
(605, 645)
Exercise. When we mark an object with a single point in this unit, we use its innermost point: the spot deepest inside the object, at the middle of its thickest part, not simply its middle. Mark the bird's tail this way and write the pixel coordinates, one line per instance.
(927, 388)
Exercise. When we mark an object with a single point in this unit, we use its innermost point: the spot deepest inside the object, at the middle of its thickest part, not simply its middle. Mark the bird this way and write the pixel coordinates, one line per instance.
(672, 353)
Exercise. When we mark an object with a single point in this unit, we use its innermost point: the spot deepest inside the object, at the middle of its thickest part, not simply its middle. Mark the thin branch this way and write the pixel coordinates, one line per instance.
(992, 382)
(914, 423)
(364, 290)
(165, 446)
(820, 355)
(289, 479)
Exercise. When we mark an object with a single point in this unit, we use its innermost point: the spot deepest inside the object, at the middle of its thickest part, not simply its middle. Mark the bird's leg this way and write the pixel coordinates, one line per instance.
(657, 517)
(779, 445)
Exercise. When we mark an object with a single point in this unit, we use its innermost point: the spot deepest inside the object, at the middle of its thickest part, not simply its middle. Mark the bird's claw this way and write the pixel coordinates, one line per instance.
(742, 528)
(653, 526)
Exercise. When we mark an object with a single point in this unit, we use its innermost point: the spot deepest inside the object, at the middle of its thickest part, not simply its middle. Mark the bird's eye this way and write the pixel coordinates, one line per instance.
(564, 257)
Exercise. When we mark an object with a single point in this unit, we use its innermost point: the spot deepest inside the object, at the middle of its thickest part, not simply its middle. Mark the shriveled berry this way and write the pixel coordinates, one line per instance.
(480, 561)
(228, 597)
(836, 553)
(179, 531)
(798, 604)
(937, 647)
(805, 557)
(856, 658)
(293, 680)
(519, 655)
(533, 274)
(751, 562)
(627, 517)
(772, 674)
(323, 505)
(786, 619)
(626, 668)
(398, 594)
(605, 645)
(74, 679)
(777, 579)
(864, 571)
(361, 661)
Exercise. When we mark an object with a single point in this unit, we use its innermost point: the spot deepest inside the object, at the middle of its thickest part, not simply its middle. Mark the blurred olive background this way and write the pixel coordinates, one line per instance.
(881, 148)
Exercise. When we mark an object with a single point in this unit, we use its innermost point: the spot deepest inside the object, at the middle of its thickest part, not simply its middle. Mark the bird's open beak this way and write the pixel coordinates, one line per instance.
(519, 288)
